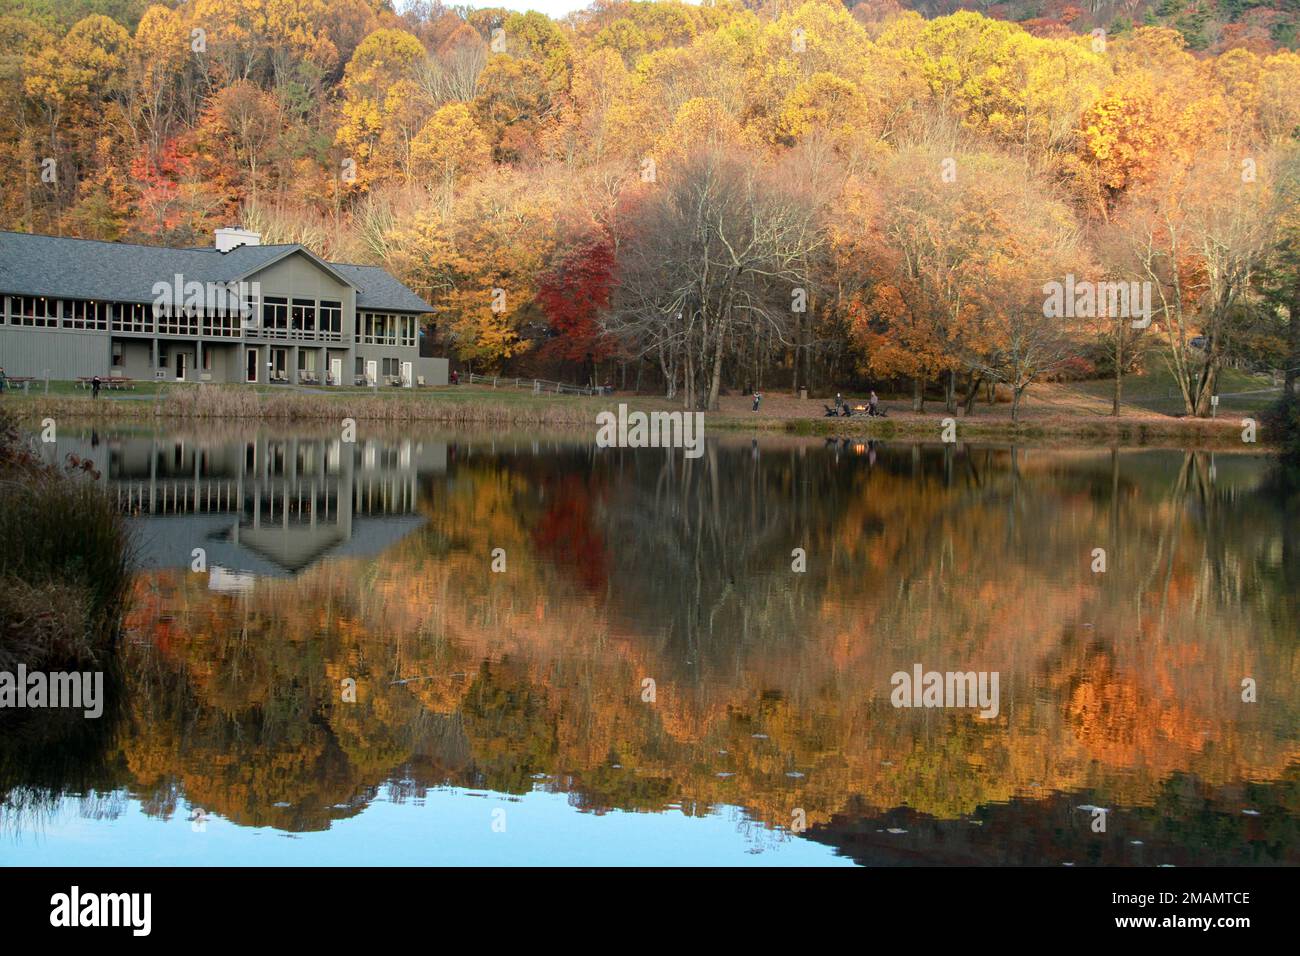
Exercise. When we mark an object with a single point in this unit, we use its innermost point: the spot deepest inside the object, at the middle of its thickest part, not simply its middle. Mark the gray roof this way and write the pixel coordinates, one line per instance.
(377, 289)
(125, 272)
(167, 540)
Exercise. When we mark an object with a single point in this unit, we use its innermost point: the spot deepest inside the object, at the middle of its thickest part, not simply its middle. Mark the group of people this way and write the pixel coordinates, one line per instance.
(843, 409)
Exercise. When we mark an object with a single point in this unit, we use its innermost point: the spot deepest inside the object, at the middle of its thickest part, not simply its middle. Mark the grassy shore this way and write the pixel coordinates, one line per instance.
(1066, 413)
(64, 562)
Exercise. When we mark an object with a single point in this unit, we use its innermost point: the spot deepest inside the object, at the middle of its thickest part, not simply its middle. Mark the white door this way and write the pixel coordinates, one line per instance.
(180, 366)
(372, 371)
(408, 374)
(336, 371)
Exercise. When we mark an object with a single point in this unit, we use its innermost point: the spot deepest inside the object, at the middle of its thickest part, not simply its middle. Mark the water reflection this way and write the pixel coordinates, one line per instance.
(269, 505)
(373, 563)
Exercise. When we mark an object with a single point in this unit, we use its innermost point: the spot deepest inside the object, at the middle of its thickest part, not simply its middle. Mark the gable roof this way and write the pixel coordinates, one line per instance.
(126, 272)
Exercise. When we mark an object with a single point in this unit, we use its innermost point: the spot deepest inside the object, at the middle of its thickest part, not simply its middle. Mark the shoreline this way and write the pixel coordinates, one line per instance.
(477, 407)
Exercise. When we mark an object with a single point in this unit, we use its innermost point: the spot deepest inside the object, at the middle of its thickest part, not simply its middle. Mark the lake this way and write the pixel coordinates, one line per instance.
(431, 648)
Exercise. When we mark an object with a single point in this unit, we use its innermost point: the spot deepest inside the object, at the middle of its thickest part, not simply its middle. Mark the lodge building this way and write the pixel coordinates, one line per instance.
(75, 308)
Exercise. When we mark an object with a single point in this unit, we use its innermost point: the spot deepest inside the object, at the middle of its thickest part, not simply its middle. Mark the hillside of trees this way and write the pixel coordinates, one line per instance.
(1213, 25)
(697, 198)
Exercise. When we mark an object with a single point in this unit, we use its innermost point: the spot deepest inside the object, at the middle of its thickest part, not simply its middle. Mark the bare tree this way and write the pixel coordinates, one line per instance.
(710, 262)
(1199, 241)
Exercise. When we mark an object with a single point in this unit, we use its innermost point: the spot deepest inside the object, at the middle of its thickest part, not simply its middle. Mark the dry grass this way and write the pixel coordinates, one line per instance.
(456, 407)
(42, 623)
(65, 560)
(1049, 413)
(209, 403)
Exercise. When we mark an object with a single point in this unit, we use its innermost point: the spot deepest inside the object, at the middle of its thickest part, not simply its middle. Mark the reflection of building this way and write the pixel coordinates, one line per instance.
(267, 506)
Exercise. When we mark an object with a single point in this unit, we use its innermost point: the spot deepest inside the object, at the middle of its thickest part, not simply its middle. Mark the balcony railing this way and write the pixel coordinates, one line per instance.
(292, 335)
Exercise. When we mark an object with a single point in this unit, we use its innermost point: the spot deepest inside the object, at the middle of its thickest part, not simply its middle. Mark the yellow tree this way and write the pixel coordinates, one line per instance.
(447, 150)
(481, 265)
(383, 59)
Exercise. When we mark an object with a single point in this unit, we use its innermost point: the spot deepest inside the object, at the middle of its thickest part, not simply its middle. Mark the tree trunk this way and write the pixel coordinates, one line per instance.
(688, 382)
(1016, 392)
(1293, 341)
(1119, 376)
(1207, 384)
(969, 401)
(715, 383)
(669, 369)
(950, 392)
(918, 395)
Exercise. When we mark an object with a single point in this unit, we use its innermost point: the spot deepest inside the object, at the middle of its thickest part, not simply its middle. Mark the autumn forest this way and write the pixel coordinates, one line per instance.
(691, 199)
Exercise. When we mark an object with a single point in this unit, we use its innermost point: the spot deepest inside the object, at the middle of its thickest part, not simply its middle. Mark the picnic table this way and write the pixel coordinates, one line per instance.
(112, 381)
(12, 381)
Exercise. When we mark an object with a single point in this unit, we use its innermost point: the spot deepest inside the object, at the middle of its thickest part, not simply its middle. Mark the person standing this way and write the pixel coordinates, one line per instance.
(871, 405)
(94, 387)
(758, 397)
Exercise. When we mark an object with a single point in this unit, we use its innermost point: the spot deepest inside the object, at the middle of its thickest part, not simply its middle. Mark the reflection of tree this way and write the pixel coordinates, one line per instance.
(772, 687)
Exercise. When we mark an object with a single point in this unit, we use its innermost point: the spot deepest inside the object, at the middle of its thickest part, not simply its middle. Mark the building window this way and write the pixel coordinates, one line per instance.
(378, 328)
(361, 366)
(207, 360)
(36, 311)
(85, 316)
(119, 354)
(275, 315)
(131, 317)
(176, 321)
(303, 317)
(331, 318)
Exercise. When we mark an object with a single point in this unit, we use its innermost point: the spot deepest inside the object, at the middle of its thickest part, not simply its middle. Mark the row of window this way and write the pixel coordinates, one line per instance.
(281, 318)
(388, 366)
(380, 328)
(301, 318)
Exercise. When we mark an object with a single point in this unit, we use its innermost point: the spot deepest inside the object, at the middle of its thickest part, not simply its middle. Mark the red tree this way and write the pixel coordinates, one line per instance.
(573, 294)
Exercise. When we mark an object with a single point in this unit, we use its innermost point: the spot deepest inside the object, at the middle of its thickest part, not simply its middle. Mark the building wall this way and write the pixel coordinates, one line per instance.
(434, 370)
(224, 358)
(66, 353)
(137, 359)
(297, 275)
(69, 353)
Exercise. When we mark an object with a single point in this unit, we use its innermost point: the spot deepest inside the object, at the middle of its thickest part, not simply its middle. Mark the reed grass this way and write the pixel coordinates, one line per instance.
(211, 403)
(65, 560)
